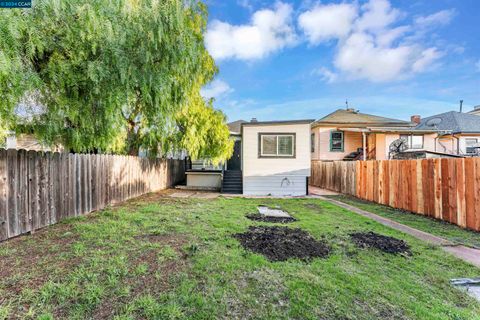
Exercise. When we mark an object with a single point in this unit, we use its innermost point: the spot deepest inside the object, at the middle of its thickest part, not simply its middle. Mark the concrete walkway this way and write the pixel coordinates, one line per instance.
(467, 254)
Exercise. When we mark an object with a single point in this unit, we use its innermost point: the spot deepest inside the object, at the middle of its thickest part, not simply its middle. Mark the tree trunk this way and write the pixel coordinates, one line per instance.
(132, 140)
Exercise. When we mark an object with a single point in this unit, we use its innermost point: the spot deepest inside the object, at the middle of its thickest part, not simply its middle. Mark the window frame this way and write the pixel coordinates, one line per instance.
(467, 147)
(331, 141)
(410, 140)
(277, 155)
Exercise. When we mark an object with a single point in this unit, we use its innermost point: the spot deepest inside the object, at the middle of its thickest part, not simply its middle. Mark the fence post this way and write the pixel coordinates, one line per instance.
(3, 196)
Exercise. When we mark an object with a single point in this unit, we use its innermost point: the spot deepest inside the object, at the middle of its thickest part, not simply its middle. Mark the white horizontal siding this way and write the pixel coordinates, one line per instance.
(275, 185)
(253, 165)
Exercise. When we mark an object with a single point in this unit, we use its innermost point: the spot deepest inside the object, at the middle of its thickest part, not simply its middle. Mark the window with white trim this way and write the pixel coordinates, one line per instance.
(471, 145)
(413, 141)
(277, 145)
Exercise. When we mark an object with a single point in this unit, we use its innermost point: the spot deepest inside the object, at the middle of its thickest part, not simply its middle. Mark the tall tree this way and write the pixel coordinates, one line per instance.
(110, 74)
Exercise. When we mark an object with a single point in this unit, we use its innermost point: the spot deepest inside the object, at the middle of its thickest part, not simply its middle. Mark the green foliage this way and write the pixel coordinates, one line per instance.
(203, 133)
(3, 134)
(110, 74)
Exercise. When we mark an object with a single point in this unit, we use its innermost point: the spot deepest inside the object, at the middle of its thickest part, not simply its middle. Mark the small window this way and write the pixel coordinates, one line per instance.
(472, 145)
(277, 145)
(312, 142)
(413, 141)
(336, 141)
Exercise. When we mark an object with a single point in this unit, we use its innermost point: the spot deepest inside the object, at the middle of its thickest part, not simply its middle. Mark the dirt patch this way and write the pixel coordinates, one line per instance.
(282, 243)
(380, 242)
(263, 218)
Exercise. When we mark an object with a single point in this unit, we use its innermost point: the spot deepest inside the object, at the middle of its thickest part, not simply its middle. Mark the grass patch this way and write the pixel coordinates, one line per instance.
(163, 258)
(436, 227)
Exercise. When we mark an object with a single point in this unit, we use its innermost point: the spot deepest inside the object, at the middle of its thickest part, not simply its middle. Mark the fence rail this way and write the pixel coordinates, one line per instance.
(38, 189)
(446, 189)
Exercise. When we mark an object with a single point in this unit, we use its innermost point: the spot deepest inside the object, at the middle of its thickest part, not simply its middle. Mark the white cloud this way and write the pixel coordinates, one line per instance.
(326, 74)
(387, 37)
(439, 18)
(216, 89)
(377, 15)
(370, 42)
(245, 4)
(361, 57)
(269, 30)
(426, 59)
(324, 22)
(477, 65)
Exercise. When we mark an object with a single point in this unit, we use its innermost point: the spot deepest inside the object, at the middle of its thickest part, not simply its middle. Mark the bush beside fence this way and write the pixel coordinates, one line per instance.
(38, 189)
(447, 189)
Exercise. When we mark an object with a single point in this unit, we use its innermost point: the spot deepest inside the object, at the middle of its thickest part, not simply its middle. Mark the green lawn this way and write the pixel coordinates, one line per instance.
(163, 258)
(436, 227)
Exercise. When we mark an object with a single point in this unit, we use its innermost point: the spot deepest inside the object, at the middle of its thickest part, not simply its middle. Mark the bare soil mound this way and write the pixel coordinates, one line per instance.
(282, 243)
(380, 242)
(264, 218)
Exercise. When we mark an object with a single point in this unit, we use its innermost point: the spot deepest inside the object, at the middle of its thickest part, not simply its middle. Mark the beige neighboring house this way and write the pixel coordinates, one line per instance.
(346, 133)
(27, 142)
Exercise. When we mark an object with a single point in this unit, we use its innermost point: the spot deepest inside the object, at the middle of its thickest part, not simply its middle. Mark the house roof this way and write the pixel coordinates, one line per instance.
(387, 130)
(235, 126)
(271, 123)
(353, 117)
(453, 121)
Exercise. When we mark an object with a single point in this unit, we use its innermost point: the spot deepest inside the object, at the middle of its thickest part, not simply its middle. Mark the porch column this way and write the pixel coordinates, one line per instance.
(364, 144)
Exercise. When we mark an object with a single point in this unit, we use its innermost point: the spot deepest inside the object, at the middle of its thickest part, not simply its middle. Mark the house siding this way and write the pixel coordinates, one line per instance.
(352, 141)
(275, 185)
(264, 176)
(449, 144)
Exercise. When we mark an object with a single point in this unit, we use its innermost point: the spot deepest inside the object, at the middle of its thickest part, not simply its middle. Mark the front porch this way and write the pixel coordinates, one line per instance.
(376, 141)
(362, 144)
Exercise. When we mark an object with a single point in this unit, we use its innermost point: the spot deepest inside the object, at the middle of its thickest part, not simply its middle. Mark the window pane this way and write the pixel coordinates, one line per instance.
(285, 145)
(417, 142)
(269, 145)
(337, 135)
(336, 141)
(471, 142)
(337, 145)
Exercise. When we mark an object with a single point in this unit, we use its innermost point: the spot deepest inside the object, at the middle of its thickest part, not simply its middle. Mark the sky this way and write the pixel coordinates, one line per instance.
(286, 60)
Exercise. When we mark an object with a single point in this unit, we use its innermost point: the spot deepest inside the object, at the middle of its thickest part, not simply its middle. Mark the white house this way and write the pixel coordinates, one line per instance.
(275, 157)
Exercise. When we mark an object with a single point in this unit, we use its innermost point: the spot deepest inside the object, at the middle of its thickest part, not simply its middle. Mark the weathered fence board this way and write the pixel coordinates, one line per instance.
(446, 189)
(38, 189)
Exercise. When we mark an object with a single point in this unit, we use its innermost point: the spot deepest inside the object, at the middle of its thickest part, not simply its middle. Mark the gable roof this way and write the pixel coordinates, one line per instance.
(235, 127)
(353, 117)
(454, 121)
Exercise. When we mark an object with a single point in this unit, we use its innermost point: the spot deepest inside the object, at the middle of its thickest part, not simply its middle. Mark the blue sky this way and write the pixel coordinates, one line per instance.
(303, 59)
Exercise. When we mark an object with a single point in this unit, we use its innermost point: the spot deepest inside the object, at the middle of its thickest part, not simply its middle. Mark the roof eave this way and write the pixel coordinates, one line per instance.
(362, 124)
(281, 122)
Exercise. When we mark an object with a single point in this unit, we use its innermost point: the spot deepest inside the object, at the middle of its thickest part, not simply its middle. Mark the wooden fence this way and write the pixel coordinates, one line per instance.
(446, 189)
(41, 188)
